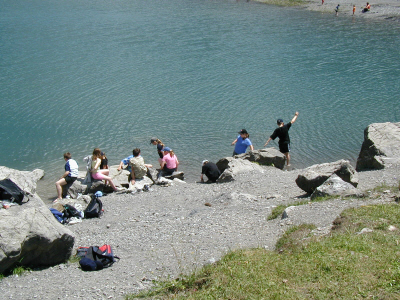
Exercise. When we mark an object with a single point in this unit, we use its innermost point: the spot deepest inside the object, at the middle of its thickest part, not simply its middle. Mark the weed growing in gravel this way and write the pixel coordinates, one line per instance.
(384, 187)
(343, 265)
(74, 259)
(20, 270)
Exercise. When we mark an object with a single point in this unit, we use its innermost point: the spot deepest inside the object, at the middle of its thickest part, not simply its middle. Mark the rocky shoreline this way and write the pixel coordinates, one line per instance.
(380, 9)
(177, 228)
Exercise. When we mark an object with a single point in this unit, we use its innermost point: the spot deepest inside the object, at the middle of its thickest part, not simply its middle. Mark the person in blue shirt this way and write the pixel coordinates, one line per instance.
(125, 162)
(69, 176)
(242, 142)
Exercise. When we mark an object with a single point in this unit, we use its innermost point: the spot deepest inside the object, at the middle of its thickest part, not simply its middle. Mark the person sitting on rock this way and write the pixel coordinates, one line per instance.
(69, 176)
(104, 161)
(138, 167)
(100, 174)
(125, 162)
(210, 170)
(169, 162)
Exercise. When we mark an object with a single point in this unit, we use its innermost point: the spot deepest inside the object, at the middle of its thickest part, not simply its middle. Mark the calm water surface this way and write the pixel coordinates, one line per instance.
(76, 75)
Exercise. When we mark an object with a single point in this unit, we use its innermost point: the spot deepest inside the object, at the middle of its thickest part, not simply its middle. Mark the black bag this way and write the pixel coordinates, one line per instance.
(10, 191)
(94, 208)
(70, 211)
(97, 258)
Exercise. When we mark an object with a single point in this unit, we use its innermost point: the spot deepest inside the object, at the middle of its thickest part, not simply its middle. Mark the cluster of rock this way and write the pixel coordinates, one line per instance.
(337, 178)
(380, 149)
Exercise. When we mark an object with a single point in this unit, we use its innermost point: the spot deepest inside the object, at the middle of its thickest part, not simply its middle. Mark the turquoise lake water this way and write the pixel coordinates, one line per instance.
(76, 75)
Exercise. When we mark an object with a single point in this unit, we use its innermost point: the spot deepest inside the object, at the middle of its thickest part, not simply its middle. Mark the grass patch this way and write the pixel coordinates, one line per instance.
(20, 270)
(384, 188)
(343, 265)
(74, 259)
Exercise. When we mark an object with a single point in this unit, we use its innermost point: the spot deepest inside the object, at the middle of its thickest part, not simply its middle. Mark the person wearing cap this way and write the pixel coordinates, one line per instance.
(242, 142)
(210, 170)
(283, 133)
(160, 147)
(169, 163)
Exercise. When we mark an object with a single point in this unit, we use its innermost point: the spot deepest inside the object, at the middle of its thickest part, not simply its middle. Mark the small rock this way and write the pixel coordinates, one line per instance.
(365, 230)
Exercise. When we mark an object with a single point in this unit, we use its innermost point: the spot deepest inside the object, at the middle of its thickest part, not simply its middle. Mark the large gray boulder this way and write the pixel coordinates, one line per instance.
(26, 180)
(268, 157)
(336, 186)
(230, 167)
(29, 233)
(381, 146)
(312, 177)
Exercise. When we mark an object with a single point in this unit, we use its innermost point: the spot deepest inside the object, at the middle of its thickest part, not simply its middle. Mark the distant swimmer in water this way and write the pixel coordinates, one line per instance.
(367, 8)
(354, 9)
(337, 10)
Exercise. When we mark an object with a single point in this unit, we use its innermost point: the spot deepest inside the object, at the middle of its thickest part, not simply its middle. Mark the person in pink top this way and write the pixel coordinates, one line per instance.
(170, 162)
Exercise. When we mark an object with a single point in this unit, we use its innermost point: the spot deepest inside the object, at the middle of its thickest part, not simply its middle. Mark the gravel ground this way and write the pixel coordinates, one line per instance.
(170, 230)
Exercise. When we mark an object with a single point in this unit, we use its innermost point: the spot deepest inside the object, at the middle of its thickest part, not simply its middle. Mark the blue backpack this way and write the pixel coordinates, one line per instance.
(96, 258)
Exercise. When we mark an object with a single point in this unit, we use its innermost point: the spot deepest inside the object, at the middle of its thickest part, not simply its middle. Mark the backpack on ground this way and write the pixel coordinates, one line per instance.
(94, 208)
(70, 211)
(96, 258)
(12, 192)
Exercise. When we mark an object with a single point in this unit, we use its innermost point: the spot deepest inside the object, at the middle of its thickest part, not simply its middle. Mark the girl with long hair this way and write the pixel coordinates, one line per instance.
(100, 174)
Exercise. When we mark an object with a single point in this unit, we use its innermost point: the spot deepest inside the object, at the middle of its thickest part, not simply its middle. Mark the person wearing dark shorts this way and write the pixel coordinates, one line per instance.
(69, 176)
(210, 170)
(283, 133)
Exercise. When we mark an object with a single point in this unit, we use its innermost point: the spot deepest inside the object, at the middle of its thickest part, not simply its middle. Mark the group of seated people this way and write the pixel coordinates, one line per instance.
(134, 164)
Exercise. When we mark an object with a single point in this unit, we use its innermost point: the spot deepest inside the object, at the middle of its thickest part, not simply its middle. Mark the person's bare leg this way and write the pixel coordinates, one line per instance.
(287, 154)
(106, 178)
(59, 185)
(105, 172)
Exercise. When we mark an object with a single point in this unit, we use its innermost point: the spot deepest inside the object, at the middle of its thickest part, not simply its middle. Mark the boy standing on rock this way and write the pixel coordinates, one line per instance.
(70, 175)
(283, 133)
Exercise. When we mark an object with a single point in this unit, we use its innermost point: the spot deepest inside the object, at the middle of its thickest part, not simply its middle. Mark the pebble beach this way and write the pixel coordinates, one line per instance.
(177, 229)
